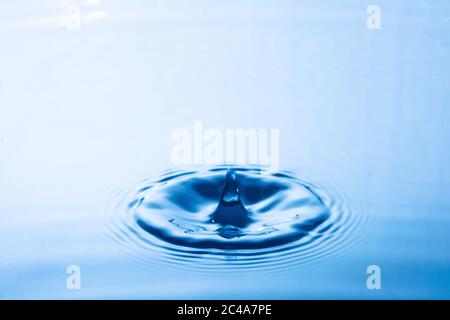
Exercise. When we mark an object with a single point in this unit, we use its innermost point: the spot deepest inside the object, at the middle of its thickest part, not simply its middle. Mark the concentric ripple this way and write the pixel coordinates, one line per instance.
(239, 217)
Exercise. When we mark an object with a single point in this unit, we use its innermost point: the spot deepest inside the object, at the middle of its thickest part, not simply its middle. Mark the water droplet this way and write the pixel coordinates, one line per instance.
(202, 217)
(230, 210)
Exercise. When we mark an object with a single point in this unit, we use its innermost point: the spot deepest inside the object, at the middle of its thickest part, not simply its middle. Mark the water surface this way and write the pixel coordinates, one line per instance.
(86, 112)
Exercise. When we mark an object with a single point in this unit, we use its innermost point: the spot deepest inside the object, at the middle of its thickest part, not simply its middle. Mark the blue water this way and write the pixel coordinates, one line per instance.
(86, 179)
(231, 218)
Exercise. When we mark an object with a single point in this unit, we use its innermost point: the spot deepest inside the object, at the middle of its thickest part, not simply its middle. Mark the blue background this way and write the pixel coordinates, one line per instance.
(85, 111)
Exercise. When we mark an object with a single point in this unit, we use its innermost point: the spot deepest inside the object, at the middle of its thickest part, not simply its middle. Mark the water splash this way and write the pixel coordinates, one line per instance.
(230, 217)
(230, 212)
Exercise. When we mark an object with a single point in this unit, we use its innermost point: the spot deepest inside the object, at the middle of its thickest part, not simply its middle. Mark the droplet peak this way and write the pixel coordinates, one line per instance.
(231, 211)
